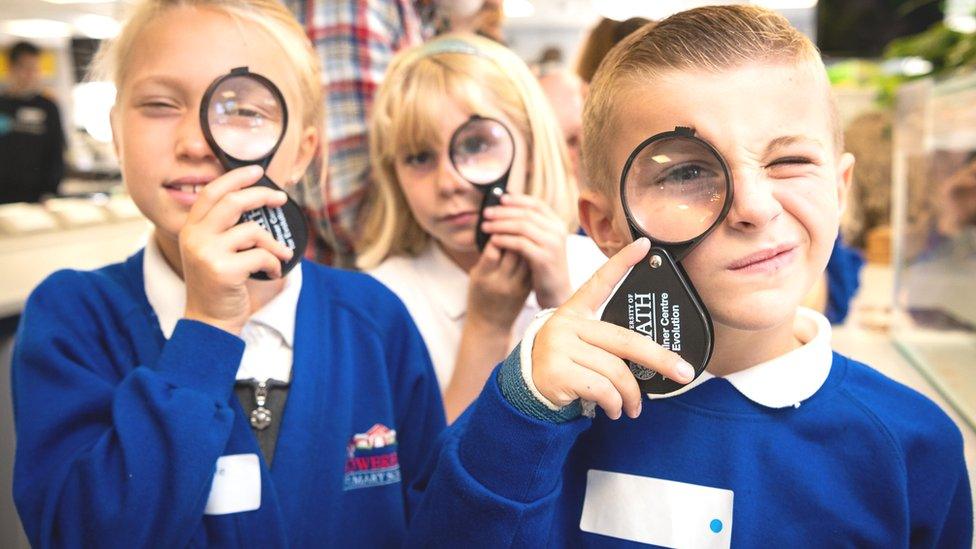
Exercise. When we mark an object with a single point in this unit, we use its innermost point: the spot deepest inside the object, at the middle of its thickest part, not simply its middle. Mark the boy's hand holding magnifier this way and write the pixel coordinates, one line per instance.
(657, 335)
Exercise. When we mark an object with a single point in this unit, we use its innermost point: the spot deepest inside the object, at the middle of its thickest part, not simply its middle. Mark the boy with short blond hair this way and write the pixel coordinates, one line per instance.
(781, 442)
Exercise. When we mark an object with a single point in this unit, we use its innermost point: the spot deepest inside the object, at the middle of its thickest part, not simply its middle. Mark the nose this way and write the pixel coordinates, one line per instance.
(449, 181)
(190, 142)
(754, 205)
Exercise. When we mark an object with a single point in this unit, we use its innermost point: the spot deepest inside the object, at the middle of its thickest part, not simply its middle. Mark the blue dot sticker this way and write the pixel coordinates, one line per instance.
(715, 525)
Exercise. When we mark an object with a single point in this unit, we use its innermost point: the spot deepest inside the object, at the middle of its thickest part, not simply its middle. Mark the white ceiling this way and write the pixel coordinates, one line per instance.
(70, 13)
(565, 14)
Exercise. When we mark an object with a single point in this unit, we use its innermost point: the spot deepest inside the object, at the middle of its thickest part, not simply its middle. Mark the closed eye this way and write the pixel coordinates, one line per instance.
(790, 160)
(157, 107)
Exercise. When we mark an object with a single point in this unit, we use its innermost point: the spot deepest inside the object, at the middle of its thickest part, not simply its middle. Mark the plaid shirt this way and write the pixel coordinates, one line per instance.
(356, 40)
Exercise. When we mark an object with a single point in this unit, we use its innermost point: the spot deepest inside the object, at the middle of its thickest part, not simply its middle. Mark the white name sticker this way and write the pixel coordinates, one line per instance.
(236, 485)
(656, 511)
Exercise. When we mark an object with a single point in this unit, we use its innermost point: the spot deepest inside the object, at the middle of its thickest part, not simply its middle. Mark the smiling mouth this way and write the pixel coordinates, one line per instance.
(189, 189)
(769, 258)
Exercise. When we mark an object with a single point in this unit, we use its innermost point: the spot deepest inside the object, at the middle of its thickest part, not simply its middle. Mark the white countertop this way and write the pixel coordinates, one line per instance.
(26, 260)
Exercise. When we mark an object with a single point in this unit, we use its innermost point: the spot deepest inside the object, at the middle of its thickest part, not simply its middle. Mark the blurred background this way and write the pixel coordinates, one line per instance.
(903, 71)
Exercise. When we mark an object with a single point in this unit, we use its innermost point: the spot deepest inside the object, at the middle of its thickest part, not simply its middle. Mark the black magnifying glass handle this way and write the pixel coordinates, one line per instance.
(287, 223)
(244, 118)
(493, 197)
(656, 300)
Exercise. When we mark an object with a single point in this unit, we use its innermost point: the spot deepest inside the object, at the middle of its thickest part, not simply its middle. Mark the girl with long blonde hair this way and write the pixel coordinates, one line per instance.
(420, 231)
(173, 400)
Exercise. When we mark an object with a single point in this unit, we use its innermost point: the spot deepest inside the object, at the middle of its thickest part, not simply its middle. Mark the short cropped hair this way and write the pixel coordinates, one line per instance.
(20, 49)
(713, 39)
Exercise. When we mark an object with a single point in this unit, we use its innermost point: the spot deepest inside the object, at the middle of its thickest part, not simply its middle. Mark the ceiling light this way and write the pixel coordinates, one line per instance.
(36, 28)
(961, 23)
(97, 26)
(518, 8)
(62, 2)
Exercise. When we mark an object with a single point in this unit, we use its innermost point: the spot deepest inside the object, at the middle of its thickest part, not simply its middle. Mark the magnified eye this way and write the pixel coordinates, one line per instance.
(245, 115)
(474, 145)
(686, 173)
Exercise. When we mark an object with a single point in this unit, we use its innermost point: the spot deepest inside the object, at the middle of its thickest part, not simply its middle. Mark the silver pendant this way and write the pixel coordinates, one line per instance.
(260, 418)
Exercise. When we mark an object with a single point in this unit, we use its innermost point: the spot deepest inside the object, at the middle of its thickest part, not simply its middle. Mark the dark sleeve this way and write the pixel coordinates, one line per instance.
(495, 479)
(54, 149)
(111, 453)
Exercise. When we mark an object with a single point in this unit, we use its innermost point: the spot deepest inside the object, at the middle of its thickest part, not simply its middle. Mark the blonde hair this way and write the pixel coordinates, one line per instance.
(713, 39)
(475, 72)
(270, 16)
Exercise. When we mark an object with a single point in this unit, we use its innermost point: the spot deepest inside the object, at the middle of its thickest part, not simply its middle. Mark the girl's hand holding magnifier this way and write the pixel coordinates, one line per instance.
(242, 225)
(530, 228)
(219, 255)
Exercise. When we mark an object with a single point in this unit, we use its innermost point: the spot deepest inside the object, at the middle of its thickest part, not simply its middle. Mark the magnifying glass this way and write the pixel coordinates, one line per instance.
(244, 118)
(482, 151)
(675, 188)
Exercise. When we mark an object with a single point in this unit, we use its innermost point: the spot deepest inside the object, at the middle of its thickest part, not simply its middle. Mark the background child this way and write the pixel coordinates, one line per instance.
(781, 442)
(421, 226)
(128, 431)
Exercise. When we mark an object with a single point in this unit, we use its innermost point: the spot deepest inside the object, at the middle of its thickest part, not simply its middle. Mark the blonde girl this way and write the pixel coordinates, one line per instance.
(172, 400)
(419, 233)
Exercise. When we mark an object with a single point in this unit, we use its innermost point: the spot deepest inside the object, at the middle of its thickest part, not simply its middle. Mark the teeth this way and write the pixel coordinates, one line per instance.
(191, 189)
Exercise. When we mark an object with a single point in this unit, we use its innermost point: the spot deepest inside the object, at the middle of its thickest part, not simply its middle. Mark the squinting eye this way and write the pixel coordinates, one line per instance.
(790, 161)
(157, 108)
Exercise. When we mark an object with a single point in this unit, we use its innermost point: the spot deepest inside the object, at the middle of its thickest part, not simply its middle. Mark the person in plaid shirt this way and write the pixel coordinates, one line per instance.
(355, 39)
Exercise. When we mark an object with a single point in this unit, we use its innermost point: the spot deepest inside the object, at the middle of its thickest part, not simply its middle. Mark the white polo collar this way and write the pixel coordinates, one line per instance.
(786, 380)
(167, 296)
(450, 290)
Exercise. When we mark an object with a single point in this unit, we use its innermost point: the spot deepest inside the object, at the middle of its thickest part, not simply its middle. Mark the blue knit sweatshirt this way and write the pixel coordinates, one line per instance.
(119, 431)
(864, 462)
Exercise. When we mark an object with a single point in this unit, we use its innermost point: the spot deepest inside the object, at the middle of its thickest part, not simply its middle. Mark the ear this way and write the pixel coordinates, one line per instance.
(596, 214)
(845, 177)
(306, 152)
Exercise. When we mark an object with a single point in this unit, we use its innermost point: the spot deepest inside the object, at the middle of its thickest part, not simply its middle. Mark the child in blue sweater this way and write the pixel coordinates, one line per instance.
(781, 442)
(172, 400)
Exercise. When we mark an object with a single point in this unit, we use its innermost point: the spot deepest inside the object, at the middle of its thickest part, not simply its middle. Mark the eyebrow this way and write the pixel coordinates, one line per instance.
(787, 140)
(165, 80)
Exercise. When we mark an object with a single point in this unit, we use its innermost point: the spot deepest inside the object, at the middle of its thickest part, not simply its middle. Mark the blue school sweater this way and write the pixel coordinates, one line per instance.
(121, 434)
(864, 462)
(843, 279)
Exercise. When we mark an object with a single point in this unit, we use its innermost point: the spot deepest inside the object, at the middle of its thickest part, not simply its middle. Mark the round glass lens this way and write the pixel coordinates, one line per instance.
(675, 189)
(482, 150)
(245, 117)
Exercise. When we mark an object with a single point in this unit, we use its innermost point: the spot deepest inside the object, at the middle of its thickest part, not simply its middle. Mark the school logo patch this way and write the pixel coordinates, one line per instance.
(371, 459)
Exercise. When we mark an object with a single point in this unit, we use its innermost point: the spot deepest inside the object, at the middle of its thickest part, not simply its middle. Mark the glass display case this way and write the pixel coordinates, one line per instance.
(934, 234)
